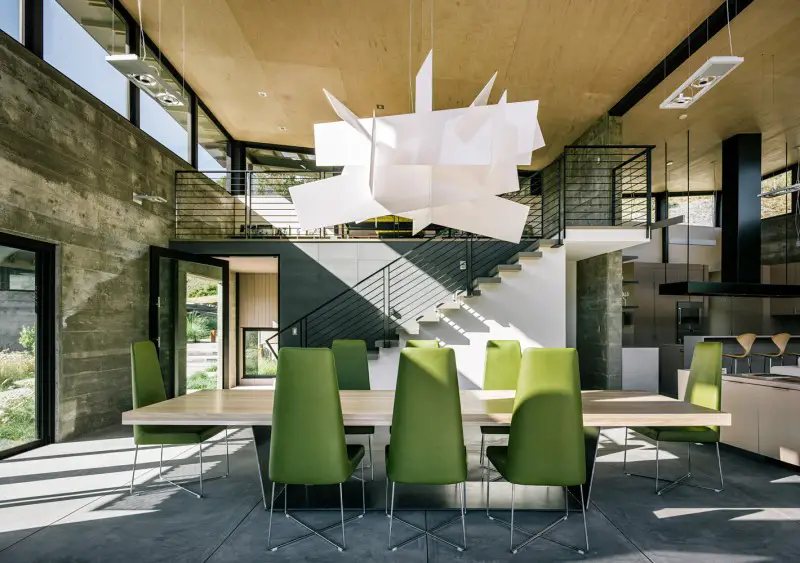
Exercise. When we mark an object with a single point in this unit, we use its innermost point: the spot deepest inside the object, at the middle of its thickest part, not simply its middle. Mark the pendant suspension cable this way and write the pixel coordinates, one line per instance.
(728, 14)
(688, 207)
(183, 48)
(142, 48)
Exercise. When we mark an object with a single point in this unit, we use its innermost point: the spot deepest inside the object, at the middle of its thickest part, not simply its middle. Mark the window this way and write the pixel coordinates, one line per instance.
(80, 52)
(10, 18)
(634, 210)
(259, 360)
(780, 205)
(169, 125)
(212, 149)
(696, 210)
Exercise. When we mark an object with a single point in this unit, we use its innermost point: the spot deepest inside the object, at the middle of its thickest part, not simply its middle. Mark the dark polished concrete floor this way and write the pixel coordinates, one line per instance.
(69, 502)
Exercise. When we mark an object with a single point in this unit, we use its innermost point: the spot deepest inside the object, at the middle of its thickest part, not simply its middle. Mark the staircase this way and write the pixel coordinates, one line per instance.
(523, 299)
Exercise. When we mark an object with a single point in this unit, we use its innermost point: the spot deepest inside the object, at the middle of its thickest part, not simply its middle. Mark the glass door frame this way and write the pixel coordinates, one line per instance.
(156, 254)
(45, 307)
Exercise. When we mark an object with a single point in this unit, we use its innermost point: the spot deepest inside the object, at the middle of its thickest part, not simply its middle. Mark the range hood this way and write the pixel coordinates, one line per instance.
(741, 229)
(728, 289)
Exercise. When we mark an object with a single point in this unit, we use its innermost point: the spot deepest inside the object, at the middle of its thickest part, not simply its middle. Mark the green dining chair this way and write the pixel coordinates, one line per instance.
(307, 445)
(426, 446)
(501, 371)
(546, 441)
(353, 373)
(422, 344)
(704, 389)
(147, 389)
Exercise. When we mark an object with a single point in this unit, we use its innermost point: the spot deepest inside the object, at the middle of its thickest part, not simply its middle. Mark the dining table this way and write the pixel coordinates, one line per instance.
(253, 407)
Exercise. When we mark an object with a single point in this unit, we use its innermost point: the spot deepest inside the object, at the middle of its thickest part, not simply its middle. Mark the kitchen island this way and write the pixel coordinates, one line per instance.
(765, 413)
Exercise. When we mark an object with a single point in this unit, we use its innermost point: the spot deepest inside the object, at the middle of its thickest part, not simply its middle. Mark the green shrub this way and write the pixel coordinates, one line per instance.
(212, 368)
(16, 367)
(267, 366)
(197, 327)
(27, 337)
(201, 380)
(18, 414)
(204, 290)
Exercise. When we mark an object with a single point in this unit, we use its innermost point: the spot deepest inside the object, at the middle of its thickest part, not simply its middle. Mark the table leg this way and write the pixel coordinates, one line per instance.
(261, 440)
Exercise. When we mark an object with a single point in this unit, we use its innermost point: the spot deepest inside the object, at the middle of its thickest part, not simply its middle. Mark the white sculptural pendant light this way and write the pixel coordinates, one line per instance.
(446, 167)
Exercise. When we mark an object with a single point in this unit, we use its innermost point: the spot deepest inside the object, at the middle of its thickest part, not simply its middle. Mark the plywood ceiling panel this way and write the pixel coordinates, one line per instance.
(578, 58)
(762, 95)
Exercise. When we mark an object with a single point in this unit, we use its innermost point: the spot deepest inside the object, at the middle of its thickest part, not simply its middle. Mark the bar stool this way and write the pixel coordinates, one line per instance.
(781, 341)
(746, 342)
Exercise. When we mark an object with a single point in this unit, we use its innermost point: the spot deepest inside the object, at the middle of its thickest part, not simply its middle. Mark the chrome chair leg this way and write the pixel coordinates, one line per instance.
(227, 455)
(625, 454)
(719, 464)
(429, 533)
(542, 534)
(371, 464)
(657, 447)
(269, 529)
(133, 473)
(201, 470)
(483, 441)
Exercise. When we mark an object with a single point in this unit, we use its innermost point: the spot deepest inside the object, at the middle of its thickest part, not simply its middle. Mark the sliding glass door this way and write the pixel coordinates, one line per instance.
(188, 319)
(27, 297)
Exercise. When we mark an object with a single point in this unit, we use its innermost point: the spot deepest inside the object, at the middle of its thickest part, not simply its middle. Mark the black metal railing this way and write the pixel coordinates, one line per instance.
(607, 185)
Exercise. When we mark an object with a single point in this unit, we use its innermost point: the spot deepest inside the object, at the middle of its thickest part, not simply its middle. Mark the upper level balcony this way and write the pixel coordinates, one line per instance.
(588, 186)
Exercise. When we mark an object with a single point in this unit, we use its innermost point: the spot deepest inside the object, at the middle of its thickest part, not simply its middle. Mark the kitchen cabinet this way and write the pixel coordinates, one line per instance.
(738, 399)
(778, 423)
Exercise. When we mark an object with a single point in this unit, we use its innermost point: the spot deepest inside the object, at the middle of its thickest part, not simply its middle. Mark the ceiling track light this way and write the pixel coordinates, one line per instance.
(704, 78)
(146, 78)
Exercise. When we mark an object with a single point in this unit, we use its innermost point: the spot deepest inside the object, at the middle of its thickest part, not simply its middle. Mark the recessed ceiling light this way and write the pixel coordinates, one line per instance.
(683, 116)
(167, 99)
(379, 106)
(703, 81)
(282, 128)
(143, 79)
(669, 163)
(262, 94)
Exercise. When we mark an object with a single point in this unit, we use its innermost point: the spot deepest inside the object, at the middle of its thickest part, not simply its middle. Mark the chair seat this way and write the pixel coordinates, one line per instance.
(424, 481)
(739, 356)
(698, 434)
(358, 430)
(498, 456)
(495, 430)
(174, 435)
(766, 355)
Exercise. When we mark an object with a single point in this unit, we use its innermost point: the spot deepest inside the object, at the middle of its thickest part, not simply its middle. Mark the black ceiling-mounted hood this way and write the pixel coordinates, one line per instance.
(741, 229)
(728, 289)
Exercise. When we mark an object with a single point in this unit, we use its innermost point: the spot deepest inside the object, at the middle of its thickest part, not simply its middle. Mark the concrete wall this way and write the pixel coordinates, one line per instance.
(599, 320)
(68, 170)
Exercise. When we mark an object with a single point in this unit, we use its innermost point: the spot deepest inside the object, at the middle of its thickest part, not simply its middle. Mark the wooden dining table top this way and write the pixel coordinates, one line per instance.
(253, 407)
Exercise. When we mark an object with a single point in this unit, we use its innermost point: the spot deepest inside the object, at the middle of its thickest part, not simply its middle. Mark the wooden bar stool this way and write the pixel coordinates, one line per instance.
(746, 342)
(781, 341)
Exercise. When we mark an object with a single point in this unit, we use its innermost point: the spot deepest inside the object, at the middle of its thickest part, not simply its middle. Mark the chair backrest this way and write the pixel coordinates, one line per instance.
(546, 441)
(427, 439)
(352, 368)
(422, 344)
(704, 386)
(307, 445)
(781, 341)
(502, 364)
(746, 341)
(147, 384)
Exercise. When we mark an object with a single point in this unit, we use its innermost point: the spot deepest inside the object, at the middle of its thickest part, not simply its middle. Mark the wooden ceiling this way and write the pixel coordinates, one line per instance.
(761, 95)
(577, 57)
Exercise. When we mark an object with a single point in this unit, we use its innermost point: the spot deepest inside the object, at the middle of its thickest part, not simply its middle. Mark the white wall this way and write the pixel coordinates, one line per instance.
(529, 306)
(572, 303)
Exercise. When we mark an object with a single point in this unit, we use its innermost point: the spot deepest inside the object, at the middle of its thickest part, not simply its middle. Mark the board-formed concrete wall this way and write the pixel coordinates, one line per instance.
(68, 169)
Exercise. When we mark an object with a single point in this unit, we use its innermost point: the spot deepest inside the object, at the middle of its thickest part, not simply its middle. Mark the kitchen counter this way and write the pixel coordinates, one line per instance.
(765, 413)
